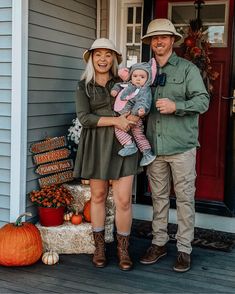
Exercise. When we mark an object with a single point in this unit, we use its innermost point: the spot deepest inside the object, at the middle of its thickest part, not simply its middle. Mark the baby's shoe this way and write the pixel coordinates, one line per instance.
(147, 158)
(128, 149)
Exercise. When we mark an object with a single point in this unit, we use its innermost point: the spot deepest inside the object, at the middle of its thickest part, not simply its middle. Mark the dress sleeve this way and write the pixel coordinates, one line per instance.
(83, 109)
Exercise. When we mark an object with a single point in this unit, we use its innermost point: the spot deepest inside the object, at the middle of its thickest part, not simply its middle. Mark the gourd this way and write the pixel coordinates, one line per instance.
(68, 216)
(20, 243)
(85, 182)
(76, 219)
(50, 257)
(87, 211)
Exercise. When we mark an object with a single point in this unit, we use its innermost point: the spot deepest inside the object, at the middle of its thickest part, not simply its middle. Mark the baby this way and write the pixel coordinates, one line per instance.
(135, 96)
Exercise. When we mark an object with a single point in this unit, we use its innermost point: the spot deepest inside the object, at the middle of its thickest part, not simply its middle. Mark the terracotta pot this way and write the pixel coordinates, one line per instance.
(51, 217)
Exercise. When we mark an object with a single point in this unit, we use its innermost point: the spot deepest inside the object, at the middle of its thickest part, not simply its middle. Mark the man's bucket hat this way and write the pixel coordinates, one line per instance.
(160, 26)
(102, 43)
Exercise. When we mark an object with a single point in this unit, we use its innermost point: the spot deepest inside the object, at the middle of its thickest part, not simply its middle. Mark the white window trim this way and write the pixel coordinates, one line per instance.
(113, 17)
(19, 101)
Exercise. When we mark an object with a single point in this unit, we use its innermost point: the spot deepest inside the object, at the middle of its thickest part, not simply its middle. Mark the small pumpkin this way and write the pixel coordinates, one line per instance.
(87, 211)
(68, 216)
(51, 257)
(76, 219)
(20, 243)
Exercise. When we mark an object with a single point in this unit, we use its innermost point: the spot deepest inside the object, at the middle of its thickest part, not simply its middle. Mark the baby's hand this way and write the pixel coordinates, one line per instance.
(124, 74)
(114, 93)
(141, 112)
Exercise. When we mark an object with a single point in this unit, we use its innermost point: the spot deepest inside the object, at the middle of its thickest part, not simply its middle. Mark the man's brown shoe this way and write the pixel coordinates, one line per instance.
(182, 262)
(153, 254)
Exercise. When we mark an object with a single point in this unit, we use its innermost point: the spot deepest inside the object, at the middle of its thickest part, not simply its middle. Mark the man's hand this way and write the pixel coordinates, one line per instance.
(165, 106)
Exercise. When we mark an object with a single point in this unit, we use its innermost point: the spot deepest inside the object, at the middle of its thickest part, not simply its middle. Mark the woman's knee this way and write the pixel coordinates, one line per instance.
(123, 204)
(99, 196)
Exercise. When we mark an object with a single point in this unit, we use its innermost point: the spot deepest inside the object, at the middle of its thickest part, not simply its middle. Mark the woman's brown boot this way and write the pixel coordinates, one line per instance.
(125, 262)
(99, 259)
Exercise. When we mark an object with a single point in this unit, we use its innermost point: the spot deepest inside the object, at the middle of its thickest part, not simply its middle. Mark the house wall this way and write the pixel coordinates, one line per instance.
(59, 32)
(5, 107)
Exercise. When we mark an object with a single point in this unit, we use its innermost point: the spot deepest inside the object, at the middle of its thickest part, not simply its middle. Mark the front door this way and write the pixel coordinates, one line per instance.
(213, 124)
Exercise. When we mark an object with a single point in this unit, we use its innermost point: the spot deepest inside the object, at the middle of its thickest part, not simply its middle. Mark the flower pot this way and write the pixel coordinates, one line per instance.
(50, 216)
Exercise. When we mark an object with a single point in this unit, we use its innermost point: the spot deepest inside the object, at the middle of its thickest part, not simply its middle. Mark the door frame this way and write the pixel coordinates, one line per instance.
(227, 207)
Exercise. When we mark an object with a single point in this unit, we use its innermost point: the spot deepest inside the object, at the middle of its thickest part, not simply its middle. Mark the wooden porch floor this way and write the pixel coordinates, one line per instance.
(212, 272)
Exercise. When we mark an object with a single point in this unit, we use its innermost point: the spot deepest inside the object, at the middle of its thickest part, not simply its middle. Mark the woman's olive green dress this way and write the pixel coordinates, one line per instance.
(97, 154)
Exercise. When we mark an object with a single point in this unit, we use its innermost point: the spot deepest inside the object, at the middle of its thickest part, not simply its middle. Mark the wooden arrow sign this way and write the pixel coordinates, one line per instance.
(58, 178)
(54, 167)
(51, 156)
(48, 144)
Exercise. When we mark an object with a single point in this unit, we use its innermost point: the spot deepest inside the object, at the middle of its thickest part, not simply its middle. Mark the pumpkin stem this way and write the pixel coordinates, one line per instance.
(18, 221)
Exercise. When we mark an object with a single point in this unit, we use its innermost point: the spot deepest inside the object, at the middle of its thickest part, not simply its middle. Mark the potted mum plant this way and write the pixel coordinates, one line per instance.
(51, 202)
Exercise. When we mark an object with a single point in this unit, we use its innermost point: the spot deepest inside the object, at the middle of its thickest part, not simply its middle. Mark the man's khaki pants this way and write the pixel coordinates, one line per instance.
(181, 169)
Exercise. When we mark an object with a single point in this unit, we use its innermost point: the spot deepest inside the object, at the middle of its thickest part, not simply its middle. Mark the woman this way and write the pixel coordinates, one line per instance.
(97, 155)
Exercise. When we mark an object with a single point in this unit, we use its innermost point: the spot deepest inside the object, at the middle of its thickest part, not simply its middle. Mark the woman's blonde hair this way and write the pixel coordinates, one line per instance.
(89, 72)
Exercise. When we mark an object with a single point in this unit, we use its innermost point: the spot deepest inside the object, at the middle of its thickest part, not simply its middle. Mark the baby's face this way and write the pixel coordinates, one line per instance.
(139, 77)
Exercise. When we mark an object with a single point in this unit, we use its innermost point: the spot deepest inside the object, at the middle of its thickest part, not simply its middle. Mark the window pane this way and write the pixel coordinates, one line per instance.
(218, 14)
(138, 15)
(137, 34)
(129, 35)
(132, 55)
(182, 14)
(130, 15)
(215, 34)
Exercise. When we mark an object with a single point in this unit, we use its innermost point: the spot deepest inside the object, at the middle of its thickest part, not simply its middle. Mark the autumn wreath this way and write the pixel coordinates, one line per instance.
(196, 49)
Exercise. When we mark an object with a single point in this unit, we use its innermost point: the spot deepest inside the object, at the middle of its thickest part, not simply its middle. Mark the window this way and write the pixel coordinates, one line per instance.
(215, 26)
(133, 35)
(131, 32)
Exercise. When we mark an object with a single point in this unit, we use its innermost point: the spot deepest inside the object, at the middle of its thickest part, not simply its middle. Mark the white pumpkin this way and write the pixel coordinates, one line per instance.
(68, 216)
(85, 182)
(50, 257)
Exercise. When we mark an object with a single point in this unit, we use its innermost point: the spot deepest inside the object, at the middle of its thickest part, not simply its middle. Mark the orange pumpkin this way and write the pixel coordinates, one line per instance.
(76, 219)
(20, 243)
(87, 211)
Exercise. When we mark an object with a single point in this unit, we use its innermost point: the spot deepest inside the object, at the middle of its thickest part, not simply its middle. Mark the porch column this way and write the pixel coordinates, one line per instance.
(19, 107)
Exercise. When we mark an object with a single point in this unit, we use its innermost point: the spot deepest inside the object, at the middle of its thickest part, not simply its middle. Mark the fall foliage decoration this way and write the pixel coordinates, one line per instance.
(196, 49)
(50, 257)
(87, 211)
(51, 196)
(20, 243)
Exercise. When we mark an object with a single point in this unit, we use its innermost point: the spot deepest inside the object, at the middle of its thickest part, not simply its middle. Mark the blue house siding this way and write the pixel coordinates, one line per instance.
(5, 107)
(59, 32)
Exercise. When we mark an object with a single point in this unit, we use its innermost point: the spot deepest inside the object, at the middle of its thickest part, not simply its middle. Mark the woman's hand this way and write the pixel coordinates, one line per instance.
(133, 118)
(123, 123)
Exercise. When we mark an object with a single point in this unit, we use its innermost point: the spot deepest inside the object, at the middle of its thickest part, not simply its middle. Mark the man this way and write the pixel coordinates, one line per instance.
(179, 96)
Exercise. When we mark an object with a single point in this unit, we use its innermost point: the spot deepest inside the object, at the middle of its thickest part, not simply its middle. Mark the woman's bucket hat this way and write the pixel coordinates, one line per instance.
(160, 26)
(102, 43)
